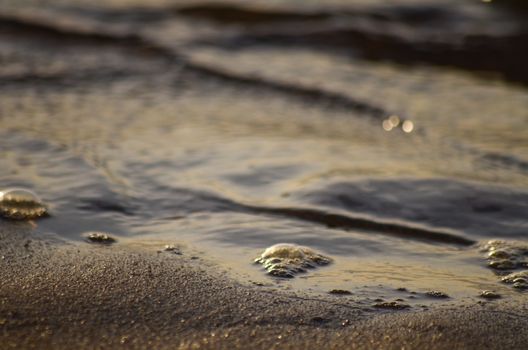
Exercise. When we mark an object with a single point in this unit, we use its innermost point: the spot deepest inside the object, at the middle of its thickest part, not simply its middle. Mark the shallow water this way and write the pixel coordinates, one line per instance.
(162, 131)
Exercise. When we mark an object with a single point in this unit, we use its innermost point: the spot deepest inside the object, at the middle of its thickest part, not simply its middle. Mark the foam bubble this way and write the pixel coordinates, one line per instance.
(437, 294)
(99, 237)
(286, 260)
(489, 294)
(518, 280)
(21, 204)
(395, 305)
(172, 249)
(340, 292)
(503, 255)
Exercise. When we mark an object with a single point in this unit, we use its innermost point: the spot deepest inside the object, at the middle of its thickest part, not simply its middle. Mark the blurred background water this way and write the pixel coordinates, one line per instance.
(226, 127)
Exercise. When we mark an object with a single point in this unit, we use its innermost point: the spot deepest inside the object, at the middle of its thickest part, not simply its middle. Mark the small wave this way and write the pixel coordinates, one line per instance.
(233, 13)
(346, 222)
(70, 35)
(478, 210)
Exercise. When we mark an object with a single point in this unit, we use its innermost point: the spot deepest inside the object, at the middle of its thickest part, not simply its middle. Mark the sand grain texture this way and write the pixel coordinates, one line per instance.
(84, 296)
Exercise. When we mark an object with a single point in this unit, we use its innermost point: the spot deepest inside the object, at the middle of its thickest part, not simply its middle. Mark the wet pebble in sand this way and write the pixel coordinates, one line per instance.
(99, 237)
(21, 204)
(488, 294)
(504, 255)
(286, 260)
(394, 305)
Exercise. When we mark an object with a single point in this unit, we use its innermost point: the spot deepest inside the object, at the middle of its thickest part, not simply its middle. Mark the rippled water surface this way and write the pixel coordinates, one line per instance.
(160, 126)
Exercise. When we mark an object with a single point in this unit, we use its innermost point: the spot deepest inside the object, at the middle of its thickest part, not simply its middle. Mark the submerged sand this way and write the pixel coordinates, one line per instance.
(83, 295)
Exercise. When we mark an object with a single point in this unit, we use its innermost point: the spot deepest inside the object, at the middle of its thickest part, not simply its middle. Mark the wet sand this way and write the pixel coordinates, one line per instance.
(65, 295)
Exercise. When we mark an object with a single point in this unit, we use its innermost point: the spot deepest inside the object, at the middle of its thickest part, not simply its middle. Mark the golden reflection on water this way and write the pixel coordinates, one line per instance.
(243, 150)
(375, 267)
(254, 146)
(394, 121)
(387, 125)
(391, 122)
(408, 126)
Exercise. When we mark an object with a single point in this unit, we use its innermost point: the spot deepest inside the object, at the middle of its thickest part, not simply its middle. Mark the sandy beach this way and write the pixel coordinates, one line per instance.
(84, 295)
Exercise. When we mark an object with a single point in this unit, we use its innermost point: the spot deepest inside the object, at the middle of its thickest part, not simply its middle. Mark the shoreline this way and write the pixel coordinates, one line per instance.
(89, 296)
(388, 138)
